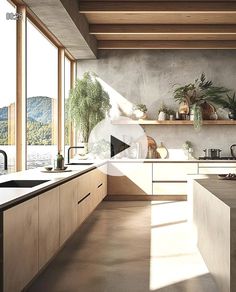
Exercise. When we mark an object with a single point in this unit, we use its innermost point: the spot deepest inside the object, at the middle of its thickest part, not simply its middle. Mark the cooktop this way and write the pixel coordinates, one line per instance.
(217, 158)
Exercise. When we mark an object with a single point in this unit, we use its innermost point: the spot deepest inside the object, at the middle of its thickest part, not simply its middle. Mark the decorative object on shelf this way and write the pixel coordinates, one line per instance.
(88, 104)
(162, 150)
(230, 104)
(162, 112)
(152, 148)
(140, 111)
(195, 94)
(208, 111)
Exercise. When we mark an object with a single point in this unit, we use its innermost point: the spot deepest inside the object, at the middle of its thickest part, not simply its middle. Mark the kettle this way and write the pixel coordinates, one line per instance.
(233, 150)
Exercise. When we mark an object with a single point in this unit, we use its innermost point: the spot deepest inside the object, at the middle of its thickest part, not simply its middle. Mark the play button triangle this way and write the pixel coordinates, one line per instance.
(117, 146)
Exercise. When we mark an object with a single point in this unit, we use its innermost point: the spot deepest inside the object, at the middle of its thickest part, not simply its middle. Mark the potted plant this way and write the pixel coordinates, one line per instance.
(201, 93)
(230, 104)
(162, 112)
(88, 104)
(140, 111)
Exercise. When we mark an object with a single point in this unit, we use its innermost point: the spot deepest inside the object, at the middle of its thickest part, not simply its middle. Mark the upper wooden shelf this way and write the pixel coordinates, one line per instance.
(168, 122)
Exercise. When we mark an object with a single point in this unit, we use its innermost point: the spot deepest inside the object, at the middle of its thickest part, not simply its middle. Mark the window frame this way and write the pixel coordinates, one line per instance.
(21, 95)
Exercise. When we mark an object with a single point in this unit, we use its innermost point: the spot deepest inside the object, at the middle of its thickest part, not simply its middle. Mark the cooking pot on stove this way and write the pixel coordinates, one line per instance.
(233, 150)
(212, 153)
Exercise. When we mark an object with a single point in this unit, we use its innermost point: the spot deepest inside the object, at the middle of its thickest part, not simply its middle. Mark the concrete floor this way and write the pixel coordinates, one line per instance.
(130, 247)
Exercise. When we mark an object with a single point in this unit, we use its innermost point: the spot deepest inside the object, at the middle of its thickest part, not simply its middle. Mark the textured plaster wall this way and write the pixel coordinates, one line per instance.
(149, 76)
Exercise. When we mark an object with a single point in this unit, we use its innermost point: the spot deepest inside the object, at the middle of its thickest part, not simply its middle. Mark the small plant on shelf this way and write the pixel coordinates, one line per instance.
(230, 104)
(195, 95)
(140, 111)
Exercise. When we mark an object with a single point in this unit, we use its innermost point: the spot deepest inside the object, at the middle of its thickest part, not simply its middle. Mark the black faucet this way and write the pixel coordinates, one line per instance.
(72, 147)
(5, 158)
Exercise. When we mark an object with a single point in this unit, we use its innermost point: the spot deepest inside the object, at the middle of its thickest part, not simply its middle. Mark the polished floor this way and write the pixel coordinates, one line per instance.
(130, 247)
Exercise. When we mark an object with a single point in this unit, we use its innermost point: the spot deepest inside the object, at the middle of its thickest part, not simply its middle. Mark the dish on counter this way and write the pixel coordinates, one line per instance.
(229, 176)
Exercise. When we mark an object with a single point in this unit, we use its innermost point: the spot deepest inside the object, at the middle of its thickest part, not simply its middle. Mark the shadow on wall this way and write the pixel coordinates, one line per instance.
(120, 105)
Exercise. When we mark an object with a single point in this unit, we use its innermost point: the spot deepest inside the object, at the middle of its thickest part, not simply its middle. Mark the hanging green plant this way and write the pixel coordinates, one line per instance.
(88, 104)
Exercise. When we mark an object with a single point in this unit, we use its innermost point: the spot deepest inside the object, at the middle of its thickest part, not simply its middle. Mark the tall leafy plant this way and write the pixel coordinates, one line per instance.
(88, 104)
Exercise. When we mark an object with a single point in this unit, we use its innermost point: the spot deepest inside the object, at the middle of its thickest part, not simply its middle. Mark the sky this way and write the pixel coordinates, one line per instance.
(42, 60)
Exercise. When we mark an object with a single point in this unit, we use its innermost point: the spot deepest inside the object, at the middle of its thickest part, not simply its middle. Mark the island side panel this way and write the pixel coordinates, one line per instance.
(233, 248)
(211, 218)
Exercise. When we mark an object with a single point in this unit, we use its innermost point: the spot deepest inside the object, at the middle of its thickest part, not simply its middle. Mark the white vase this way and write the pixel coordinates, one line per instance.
(162, 116)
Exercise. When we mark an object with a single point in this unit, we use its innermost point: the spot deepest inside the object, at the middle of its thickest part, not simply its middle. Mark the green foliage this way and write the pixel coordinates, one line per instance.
(88, 104)
(229, 103)
(39, 133)
(163, 108)
(141, 107)
(199, 91)
(3, 133)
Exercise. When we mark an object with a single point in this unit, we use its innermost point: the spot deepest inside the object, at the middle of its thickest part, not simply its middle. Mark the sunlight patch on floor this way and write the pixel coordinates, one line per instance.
(174, 255)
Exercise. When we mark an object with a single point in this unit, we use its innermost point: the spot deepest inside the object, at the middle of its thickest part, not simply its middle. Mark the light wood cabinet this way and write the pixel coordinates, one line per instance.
(91, 191)
(134, 179)
(173, 171)
(169, 188)
(48, 225)
(217, 168)
(68, 209)
(20, 245)
(32, 232)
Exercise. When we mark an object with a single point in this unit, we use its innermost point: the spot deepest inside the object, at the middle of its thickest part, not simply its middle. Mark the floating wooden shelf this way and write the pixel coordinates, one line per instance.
(168, 122)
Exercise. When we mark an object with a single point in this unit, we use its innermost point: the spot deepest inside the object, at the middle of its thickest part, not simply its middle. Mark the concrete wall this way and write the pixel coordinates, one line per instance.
(149, 77)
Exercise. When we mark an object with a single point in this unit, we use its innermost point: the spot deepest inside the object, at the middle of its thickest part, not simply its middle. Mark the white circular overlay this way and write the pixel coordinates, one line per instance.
(117, 141)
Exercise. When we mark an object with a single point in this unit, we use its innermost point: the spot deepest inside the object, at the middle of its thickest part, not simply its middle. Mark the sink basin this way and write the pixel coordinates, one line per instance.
(80, 163)
(21, 183)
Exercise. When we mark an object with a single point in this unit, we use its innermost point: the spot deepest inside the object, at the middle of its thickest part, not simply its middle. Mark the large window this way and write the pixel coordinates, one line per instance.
(8, 84)
(67, 124)
(42, 94)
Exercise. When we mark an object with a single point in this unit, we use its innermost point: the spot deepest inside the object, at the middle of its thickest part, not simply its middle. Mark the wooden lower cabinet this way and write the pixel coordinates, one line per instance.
(32, 232)
(20, 245)
(48, 225)
(68, 210)
(91, 188)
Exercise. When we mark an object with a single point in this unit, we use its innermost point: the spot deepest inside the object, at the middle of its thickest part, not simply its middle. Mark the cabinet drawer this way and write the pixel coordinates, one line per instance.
(173, 171)
(216, 170)
(169, 188)
(217, 164)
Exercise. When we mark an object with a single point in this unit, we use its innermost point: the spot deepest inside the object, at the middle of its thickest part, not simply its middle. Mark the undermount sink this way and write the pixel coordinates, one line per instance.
(22, 183)
(80, 163)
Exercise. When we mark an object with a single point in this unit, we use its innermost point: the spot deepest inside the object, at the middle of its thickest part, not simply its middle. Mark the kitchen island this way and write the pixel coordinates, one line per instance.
(214, 218)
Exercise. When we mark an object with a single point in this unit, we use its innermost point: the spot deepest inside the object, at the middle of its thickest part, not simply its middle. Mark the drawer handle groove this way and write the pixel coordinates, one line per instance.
(84, 198)
(100, 185)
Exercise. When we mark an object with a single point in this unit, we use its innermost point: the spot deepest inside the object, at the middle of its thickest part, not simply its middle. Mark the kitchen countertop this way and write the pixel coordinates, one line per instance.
(10, 197)
(13, 196)
(224, 190)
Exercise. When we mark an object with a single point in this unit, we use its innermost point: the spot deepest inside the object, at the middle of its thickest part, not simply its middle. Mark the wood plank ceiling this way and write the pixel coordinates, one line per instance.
(129, 24)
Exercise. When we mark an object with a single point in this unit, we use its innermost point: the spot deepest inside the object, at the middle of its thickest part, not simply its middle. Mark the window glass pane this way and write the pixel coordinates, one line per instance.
(8, 84)
(42, 94)
(67, 93)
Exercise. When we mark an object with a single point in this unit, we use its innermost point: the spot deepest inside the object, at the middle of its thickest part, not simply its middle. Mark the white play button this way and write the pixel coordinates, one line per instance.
(117, 146)
(118, 140)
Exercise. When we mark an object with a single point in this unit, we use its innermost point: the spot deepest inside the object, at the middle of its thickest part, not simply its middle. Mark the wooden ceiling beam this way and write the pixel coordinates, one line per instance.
(156, 6)
(160, 29)
(166, 44)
